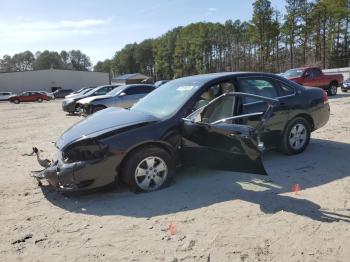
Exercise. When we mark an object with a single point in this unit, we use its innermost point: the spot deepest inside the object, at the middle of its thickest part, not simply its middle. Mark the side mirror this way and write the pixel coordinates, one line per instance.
(122, 94)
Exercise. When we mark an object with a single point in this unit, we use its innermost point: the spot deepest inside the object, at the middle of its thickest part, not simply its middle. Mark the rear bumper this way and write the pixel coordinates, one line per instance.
(321, 116)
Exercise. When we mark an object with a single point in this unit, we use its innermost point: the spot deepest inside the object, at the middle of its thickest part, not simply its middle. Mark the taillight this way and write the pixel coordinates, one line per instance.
(325, 97)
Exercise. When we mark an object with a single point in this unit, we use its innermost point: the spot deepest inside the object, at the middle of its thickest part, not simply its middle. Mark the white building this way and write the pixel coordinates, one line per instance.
(45, 80)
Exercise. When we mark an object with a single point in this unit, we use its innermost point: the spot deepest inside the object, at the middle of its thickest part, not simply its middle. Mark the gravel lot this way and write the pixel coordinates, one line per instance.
(213, 216)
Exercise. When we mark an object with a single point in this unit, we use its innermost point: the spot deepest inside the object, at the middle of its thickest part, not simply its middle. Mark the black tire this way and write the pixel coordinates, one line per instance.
(129, 172)
(345, 90)
(39, 100)
(290, 148)
(16, 101)
(98, 108)
(332, 89)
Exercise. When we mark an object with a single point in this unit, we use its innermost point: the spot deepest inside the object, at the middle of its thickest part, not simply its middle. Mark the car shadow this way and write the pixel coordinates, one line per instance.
(339, 95)
(198, 188)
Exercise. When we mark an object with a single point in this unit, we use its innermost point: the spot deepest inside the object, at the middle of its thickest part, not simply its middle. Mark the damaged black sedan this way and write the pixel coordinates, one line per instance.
(223, 121)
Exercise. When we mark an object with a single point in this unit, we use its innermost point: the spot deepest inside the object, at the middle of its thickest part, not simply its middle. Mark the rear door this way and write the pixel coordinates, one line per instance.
(219, 143)
(266, 87)
(25, 97)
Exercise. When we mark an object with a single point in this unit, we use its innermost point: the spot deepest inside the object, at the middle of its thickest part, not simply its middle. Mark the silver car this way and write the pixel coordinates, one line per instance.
(122, 96)
(4, 96)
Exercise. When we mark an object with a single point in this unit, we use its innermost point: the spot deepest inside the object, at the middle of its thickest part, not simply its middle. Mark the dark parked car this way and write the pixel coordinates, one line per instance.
(202, 120)
(122, 96)
(70, 104)
(62, 93)
(29, 97)
(346, 85)
(80, 91)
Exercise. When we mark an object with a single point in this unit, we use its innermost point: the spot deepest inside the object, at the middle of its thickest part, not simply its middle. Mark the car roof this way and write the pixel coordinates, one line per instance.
(215, 76)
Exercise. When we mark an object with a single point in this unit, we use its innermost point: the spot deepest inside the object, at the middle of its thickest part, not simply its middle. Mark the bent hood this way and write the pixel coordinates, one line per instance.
(88, 100)
(101, 122)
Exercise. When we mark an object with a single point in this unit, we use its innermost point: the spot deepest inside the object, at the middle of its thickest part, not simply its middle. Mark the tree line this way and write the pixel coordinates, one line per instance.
(26, 61)
(309, 33)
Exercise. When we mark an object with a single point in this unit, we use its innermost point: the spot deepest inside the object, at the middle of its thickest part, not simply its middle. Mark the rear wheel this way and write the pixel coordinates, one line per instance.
(39, 100)
(333, 89)
(16, 101)
(296, 136)
(148, 169)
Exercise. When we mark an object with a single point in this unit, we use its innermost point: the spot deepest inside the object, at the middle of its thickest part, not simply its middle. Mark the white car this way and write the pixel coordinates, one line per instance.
(4, 96)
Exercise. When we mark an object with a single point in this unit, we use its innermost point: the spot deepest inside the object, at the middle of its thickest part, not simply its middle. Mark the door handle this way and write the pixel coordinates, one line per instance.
(235, 133)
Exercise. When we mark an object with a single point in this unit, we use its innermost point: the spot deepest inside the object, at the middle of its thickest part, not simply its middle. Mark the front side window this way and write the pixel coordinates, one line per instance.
(101, 91)
(316, 72)
(212, 93)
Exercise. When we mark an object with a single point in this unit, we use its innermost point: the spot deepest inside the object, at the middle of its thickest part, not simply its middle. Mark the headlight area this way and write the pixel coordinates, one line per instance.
(78, 165)
(85, 150)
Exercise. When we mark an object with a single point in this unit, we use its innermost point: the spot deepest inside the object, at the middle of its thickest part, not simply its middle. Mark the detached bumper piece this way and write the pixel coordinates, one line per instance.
(61, 176)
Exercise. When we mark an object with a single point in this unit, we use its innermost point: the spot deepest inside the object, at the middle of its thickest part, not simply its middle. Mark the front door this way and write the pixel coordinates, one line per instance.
(212, 139)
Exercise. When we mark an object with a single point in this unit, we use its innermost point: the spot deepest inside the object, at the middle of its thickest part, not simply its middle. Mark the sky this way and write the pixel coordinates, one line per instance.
(100, 28)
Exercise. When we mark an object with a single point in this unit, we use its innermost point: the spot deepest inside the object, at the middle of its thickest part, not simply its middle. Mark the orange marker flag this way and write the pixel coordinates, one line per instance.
(172, 229)
(296, 188)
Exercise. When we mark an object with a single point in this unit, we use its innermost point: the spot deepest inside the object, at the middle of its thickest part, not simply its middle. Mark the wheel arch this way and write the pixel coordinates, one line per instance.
(334, 82)
(307, 117)
(162, 144)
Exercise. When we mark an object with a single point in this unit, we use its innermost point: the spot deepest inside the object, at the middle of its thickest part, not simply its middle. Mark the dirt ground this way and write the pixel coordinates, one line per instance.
(212, 215)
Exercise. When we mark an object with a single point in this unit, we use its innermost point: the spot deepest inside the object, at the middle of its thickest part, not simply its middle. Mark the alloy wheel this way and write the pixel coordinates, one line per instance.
(298, 136)
(151, 173)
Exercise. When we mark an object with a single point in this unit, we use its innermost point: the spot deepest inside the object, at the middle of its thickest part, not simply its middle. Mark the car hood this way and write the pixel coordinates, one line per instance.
(74, 98)
(88, 100)
(104, 121)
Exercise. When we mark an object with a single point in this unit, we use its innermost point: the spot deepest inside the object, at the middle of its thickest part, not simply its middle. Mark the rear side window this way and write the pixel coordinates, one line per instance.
(101, 91)
(137, 90)
(286, 90)
(257, 86)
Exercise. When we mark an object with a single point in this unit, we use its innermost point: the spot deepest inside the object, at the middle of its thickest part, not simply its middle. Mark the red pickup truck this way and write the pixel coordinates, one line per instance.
(313, 76)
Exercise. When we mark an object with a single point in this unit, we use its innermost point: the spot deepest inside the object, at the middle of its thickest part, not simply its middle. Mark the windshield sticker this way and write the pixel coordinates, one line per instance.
(184, 88)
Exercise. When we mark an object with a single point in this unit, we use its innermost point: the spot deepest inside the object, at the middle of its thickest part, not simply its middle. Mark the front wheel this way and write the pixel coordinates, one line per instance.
(333, 89)
(148, 169)
(98, 108)
(16, 101)
(39, 100)
(296, 136)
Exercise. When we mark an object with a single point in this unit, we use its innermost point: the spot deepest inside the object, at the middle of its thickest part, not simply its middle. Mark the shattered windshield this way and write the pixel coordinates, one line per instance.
(168, 98)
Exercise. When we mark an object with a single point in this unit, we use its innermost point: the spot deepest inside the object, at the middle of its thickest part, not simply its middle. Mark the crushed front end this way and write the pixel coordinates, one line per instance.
(83, 165)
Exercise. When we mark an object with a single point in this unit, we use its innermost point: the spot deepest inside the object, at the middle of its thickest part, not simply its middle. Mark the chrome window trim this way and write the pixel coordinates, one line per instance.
(278, 97)
(236, 117)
